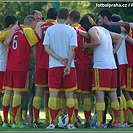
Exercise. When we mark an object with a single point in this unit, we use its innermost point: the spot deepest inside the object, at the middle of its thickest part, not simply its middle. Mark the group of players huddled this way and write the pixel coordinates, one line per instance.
(67, 64)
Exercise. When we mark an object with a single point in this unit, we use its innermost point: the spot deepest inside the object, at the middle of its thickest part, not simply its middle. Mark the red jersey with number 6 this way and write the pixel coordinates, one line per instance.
(19, 50)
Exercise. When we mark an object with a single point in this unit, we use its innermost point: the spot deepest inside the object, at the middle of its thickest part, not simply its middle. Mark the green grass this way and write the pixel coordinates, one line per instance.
(80, 129)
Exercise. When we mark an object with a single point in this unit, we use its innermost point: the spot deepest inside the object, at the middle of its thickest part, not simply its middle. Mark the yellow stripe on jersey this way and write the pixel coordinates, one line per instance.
(30, 35)
(76, 25)
(4, 34)
(51, 21)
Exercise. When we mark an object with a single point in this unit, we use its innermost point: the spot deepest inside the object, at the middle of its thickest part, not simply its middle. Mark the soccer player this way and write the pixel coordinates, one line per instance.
(27, 99)
(125, 61)
(105, 20)
(104, 77)
(10, 23)
(82, 65)
(20, 44)
(42, 65)
(60, 42)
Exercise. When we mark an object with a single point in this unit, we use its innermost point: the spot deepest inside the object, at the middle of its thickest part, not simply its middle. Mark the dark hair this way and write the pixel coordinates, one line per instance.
(116, 18)
(63, 13)
(52, 13)
(87, 22)
(9, 19)
(75, 15)
(107, 13)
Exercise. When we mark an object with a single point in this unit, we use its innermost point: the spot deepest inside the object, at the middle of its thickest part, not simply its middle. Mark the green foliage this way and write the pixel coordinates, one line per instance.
(124, 9)
(21, 9)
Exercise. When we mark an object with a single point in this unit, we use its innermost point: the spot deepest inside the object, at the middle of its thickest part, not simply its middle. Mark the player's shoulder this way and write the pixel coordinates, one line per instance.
(94, 28)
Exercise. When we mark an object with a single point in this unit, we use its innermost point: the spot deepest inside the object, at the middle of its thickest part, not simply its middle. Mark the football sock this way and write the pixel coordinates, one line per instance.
(58, 110)
(36, 108)
(115, 109)
(70, 109)
(87, 108)
(5, 106)
(52, 109)
(130, 110)
(16, 104)
(100, 107)
(124, 108)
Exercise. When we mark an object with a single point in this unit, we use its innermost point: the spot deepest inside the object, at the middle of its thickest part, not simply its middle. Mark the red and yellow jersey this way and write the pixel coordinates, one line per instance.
(129, 51)
(82, 56)
(19, 49)
(4, 34)
(42, 59)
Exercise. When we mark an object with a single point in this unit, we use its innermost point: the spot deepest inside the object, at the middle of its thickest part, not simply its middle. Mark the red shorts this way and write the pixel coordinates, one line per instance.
(16, 80)
(123, 72)
(2, 73)
(84, 78)
(129, 80)
(57, 80)
(104, 79)
(41, 78)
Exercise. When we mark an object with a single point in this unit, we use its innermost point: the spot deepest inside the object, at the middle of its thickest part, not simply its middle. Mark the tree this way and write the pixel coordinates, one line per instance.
(21, 9)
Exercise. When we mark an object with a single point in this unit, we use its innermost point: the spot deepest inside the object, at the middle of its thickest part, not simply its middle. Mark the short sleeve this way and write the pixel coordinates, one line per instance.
(46, 40)
(31, 36)
(73, 41)
(3, 35)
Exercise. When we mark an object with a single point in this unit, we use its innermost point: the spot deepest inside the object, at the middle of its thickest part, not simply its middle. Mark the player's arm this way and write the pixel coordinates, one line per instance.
(83, 33)
(54, 55)
(32, 37)
(118, 40)
(33, 56)
(39, 29)
(95, 39)
(129, 39)
(9, 37)
(3, 35)
(70, 58)
(131, 25)
(125, 26)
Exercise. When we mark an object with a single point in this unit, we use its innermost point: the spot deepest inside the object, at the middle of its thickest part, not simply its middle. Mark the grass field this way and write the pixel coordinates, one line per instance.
(80, 129)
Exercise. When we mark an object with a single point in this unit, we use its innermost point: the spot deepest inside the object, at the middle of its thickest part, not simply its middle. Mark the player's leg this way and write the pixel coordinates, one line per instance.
(114, 108)
(19, 87)
(6, 106)
(129, 103)
(100, 106)
(52, 105)
(40, 83)
(87, 106)
(37, 103)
